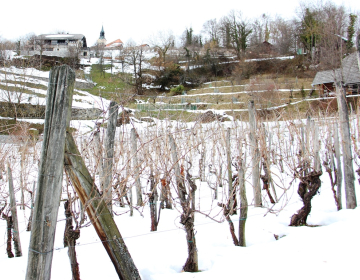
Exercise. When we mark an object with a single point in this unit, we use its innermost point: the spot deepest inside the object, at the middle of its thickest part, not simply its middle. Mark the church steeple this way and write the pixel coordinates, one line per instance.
(102, 33)
(102, 40)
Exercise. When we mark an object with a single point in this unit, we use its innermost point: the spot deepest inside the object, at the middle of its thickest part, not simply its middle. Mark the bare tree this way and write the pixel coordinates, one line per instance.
(134, 58)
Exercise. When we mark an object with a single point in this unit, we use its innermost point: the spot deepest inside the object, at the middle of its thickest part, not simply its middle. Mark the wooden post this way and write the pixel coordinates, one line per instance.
(16, 234)
(136, 167)
(339, 173)
(57, 119)
(32, 207)
(98, 212)
(109, 153)
(317, 163)
(255, 155)
(243, 202)
(98, 147)
(232, 192)
(346, 148)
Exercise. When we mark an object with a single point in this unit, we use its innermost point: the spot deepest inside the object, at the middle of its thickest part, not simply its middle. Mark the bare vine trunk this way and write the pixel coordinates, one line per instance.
(187, 217)
(308, 187)
(9, 226)
(70, 237)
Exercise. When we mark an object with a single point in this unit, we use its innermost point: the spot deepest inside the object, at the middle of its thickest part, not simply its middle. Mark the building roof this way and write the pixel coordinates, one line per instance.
(328, 76)
(349, 73)
(114, 44)
(351, 70)
(61, 36)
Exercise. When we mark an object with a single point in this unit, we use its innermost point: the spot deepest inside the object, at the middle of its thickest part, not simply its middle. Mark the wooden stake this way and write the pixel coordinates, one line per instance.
(16, 234)
(57, 119)
(98, 212)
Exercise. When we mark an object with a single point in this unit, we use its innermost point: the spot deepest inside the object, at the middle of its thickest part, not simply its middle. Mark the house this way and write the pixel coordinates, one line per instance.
(348, 75)
(60, 45)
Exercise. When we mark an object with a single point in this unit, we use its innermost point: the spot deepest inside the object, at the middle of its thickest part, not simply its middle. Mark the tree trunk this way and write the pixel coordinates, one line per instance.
(255, 155)
(109, 152)
(16, 234)
(139, 201)
(57, 119)
(98, 212)
(346, 148)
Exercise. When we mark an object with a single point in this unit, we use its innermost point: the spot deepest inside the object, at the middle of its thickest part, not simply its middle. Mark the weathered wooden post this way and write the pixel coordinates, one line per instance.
(339, 173)
(109, 153)
(99, 160)
(232, 192)
(32, 207)
(98, 212)
(16, 234)
(243, 202)
(346, 148)
(136, 167)
(255, 155)
(57, 118)
(317, 162)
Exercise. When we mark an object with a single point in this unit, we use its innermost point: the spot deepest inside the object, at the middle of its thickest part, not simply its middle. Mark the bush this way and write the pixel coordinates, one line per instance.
(177, 90)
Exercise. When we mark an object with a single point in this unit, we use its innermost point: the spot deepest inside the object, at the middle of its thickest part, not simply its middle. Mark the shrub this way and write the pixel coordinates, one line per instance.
(177, 90)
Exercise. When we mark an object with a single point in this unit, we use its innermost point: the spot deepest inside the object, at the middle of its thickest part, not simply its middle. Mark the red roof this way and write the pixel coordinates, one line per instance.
(114, 43)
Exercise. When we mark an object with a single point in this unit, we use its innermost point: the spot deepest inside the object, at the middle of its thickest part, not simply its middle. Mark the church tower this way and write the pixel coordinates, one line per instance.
(102, 40)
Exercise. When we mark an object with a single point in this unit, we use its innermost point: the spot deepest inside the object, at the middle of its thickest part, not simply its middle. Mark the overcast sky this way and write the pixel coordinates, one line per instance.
(138, 20)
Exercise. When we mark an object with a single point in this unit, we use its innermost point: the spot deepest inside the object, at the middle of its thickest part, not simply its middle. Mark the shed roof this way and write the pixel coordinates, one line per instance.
(328, 76)
(61, 36)
(351, 70)
(349, 73)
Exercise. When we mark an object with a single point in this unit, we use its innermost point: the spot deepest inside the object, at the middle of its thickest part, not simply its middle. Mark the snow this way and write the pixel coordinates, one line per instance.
(81, 99)
(327, 251)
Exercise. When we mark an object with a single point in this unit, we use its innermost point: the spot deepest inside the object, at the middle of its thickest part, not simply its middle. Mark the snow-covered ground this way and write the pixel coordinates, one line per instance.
(327, 251)
(13, 77)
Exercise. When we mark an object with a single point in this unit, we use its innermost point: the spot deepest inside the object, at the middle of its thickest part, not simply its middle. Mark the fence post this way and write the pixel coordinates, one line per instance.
(109, 153)
(139, 200)
(346, 148)
(255, 155)
(16, 235)
(48, 194)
